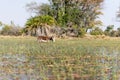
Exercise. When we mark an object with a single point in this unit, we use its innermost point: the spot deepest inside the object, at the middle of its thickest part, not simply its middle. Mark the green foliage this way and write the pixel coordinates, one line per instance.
(36, 22)
(96, 31)
(118, 32)
(114, 33)
(40, 20)
(47, 20)
(83, 13)
(106, 33)
(6, 30)
(11, 30)
(108, 30)
(81, 32)
(80, 12)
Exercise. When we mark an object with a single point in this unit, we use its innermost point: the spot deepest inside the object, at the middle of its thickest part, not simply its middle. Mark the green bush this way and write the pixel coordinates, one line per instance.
(96, 31)
(113, 33)
(81, 32)
(10, 30)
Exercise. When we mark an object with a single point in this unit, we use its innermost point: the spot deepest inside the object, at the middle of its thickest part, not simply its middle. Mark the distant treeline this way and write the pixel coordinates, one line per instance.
(14, 30)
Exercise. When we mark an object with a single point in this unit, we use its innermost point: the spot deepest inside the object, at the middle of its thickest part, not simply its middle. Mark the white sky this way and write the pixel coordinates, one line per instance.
(110, 9)
(14, 10)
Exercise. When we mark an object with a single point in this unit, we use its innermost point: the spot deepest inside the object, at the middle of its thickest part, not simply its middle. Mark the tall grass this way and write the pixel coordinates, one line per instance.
(75, 59)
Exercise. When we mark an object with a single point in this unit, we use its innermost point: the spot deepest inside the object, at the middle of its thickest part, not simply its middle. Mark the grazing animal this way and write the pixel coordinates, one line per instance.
(45, 38)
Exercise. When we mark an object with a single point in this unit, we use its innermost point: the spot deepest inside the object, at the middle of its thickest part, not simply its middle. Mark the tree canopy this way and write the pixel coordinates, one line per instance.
(68, 13)
(83, 13)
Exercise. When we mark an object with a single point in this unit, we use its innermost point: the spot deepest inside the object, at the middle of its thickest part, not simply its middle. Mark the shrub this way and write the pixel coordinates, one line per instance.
(81, 32)
(10, 30)
(114, 33)
(96, 31)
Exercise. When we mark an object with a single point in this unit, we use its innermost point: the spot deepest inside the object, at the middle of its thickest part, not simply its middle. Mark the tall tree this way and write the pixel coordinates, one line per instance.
(83, 13)
(79, 15)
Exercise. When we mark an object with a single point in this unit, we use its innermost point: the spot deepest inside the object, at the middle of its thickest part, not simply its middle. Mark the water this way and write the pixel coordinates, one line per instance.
(19, 67)
(15, 67)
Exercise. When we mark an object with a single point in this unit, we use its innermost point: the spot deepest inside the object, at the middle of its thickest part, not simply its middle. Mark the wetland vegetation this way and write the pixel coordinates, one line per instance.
(23, 58)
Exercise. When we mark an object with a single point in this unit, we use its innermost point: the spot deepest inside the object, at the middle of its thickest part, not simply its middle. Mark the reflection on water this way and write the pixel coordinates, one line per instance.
(19, 67)
(15, 67)
(109, 63)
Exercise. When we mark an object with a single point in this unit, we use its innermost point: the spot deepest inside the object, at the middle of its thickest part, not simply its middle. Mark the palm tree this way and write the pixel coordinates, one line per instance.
(39, 25)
